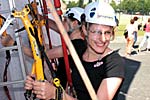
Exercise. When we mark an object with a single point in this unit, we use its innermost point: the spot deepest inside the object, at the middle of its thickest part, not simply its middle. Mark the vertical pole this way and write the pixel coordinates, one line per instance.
(73, 52)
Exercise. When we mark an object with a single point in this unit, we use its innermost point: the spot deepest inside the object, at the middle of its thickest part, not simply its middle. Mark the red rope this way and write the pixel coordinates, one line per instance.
(45, 12)
(69, 79)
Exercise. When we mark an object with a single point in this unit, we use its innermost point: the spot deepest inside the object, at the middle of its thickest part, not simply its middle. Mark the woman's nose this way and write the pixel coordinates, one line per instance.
(102, 37)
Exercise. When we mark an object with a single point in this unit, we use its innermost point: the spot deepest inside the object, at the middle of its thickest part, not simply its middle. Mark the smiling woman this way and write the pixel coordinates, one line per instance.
(104, 66)
(100, 35)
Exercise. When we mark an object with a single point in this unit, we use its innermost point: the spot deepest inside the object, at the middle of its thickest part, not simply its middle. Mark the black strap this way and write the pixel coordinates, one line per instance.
(8, 58)
(59, 93)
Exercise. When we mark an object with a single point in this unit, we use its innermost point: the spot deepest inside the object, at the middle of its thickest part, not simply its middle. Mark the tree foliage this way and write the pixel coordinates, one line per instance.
(133, 6)
(125, 6)
(81, 3)
(78, 3)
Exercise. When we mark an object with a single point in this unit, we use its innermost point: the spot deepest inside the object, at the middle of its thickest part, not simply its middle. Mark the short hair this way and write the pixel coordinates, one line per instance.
(148, 19)
(132, 21)
(135, 18)
(73, 19)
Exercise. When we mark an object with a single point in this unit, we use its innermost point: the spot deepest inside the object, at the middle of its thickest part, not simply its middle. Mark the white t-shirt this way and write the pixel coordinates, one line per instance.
(131, 28)
(136, 23)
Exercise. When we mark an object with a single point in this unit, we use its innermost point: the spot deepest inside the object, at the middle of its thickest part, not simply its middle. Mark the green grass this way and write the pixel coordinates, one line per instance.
(121, 28)
(124, 19)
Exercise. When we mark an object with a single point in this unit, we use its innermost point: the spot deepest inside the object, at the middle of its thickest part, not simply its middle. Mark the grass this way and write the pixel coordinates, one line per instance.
(120, 29)
(124, 19)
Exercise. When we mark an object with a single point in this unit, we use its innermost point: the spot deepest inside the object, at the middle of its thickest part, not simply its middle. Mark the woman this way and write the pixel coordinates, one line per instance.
(130, 39)
(136, 24)
(146, 37)
(105, 67)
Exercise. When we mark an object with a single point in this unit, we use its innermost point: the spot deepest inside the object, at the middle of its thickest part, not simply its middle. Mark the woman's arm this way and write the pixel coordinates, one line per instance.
(55, 52)
(108, 88)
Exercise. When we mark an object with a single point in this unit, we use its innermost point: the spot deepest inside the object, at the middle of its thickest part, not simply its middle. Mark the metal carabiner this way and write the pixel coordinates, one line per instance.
(6, 24)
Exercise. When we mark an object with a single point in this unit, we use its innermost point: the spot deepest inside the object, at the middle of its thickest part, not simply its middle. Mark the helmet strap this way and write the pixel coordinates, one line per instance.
(87, 28)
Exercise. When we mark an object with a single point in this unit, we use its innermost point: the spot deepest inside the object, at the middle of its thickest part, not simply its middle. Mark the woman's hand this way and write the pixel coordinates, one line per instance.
(29, 83)
(44, 90)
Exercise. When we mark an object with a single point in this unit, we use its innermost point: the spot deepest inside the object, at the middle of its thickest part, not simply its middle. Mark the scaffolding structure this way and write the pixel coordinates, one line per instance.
(16, 68)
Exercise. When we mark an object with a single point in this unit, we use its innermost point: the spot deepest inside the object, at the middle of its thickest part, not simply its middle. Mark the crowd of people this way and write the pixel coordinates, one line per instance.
(132, 35)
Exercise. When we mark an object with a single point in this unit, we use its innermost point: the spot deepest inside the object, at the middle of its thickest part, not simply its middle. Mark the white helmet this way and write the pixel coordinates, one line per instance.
(74, 12)
(100, 13)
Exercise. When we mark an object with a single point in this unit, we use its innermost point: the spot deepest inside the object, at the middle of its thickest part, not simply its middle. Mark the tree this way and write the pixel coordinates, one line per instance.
(81, 3)
(133, 6)
(74, 4)
(146, 7)
(113, 4)
(90, 1)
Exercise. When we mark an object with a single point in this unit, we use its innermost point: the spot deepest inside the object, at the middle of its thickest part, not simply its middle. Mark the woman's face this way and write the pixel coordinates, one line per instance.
(99, 37)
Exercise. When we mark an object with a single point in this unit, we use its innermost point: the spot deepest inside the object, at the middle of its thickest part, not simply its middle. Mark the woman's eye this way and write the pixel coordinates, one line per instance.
(107, 33)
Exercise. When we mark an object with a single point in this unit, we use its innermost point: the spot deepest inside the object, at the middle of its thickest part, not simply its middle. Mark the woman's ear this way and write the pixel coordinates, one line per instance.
(84, 30)
(75, 23)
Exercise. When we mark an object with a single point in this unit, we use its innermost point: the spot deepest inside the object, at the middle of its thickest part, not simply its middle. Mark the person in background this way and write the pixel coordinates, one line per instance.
(104, 66)
(146, 37)
(72, 19)
(136, 24)
(130, 39)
